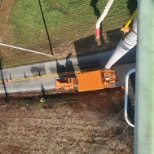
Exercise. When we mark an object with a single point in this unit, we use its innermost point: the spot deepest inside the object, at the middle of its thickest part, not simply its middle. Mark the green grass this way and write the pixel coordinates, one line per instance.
(66, 20)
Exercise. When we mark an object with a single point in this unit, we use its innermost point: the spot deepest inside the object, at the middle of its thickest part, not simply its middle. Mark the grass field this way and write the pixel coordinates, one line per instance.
(54, 25)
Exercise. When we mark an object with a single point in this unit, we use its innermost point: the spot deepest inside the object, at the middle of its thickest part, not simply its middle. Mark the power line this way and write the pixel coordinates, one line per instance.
(23, 49)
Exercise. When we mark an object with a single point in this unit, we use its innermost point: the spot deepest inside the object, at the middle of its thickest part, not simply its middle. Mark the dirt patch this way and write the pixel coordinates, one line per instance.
(6, 9)
(5, 29)
(72, 123)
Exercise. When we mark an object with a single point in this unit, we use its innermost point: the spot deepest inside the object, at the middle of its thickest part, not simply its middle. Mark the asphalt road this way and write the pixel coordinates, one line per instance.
(38, 76)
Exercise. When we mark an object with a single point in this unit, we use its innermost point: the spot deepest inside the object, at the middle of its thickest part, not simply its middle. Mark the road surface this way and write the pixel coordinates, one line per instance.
(42, 76)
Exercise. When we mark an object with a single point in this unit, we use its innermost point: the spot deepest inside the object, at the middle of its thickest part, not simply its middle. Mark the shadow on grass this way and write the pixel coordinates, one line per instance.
(45, 25)
(85, 45)
(77, 101)
(96, 10)
(132, 5)
(113, 37)
(89, 44)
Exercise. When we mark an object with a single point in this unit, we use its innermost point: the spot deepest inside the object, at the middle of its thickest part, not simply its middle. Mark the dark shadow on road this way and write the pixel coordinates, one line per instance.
(66, 70)
(37, 71)
(131, 96)
(25, 75)
(43, 92)
(3, 82)
(45, 25)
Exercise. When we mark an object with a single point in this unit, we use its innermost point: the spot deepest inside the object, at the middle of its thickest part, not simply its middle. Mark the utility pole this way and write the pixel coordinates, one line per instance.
(144, 100)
